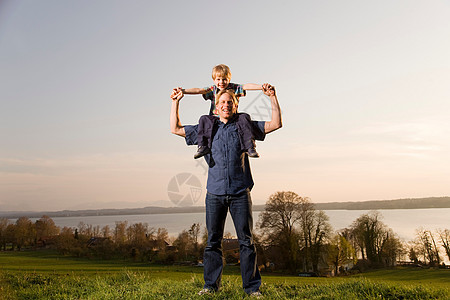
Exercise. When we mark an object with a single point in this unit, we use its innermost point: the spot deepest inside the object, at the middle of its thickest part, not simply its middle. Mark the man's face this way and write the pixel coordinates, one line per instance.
(221, 82)
(226, 107)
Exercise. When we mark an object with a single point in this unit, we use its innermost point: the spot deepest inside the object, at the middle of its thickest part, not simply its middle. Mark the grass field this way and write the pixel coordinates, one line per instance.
(46, 275)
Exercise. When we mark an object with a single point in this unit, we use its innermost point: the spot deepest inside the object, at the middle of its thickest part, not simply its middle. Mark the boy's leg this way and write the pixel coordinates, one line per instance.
(205, 125)
(246, 136)
(204, 138)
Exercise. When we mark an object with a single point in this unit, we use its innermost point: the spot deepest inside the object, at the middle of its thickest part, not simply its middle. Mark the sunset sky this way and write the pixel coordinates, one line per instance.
(84, 97)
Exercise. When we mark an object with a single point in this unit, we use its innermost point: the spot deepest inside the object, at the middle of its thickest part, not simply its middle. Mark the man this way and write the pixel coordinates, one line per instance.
(228, 185)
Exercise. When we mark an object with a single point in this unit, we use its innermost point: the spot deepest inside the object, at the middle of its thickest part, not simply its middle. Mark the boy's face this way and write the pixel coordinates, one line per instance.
(221, 82)
(226, 106)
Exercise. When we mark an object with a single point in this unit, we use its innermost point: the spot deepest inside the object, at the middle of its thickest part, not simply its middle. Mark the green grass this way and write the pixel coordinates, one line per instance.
(46, 275)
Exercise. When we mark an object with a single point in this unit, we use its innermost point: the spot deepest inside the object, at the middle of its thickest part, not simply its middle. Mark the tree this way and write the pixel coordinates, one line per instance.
(10, 235)
(66, 240)
(183, 244)
(137, 235)
(340, 252)
(24, 233)
(120, 231)
(278, 223)
(106, 231)
(426, 246)
(391, 249)
(46, 227)
(413, 255)
(194, 233)
(370, 233)
(444, 235)
(3, 235)
(317, 231)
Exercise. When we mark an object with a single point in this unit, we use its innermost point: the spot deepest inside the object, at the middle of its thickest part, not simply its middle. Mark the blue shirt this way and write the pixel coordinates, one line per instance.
(229, 169)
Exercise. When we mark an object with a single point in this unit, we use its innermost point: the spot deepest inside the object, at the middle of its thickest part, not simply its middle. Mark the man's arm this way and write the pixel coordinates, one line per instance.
(195, 91)
(251, 86)
(275, 123)
(175, 124)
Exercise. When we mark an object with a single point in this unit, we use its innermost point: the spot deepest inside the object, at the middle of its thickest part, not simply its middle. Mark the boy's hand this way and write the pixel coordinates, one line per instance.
(177, 94)
(268, 89)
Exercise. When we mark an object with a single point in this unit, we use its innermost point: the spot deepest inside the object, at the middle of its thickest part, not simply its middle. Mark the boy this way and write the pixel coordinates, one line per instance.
(221, 75)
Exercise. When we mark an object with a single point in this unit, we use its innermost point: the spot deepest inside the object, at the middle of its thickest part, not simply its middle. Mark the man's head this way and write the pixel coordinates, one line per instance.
(221, 75)
(226, 104)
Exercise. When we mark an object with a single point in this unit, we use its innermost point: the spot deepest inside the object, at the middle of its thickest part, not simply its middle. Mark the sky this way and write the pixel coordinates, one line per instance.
(84, 98)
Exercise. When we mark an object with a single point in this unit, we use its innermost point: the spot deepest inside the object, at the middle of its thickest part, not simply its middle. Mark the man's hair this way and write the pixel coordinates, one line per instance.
(229, 92)
(222, 71)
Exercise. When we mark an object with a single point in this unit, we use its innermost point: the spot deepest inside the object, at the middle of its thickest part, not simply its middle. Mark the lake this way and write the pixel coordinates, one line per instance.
(403, 222)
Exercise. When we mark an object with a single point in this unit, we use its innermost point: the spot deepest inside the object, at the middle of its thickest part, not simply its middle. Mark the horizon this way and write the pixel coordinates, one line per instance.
(84, 102)
(115, 206)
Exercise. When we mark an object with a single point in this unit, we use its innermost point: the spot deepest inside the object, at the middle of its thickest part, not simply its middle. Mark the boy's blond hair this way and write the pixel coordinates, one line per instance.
(222, 71)
(229, 92)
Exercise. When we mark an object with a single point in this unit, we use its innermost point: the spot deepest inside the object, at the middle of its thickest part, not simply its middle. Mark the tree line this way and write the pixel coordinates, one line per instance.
(300, 238)
(291, 235)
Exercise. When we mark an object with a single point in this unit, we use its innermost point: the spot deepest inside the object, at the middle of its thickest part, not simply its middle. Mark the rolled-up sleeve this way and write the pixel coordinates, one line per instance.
(239, 90)
(210, 94)
(258, 130)
(191, 132)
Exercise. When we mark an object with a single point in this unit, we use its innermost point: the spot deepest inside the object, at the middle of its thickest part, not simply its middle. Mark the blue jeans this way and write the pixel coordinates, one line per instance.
(240, 207)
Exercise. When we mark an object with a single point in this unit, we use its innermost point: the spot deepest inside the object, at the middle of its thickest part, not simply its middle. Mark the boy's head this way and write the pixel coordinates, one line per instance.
(221, 75)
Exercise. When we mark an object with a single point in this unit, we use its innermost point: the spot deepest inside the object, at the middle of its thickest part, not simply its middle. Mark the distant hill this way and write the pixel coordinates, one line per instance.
(410, 203)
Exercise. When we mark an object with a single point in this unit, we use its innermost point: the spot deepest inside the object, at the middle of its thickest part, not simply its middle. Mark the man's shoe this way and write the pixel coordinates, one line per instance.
(205, 291)
(252, 153)
(202, 151)
(256, 294)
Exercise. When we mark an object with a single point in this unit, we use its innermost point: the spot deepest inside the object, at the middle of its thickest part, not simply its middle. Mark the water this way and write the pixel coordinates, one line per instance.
(403, 222)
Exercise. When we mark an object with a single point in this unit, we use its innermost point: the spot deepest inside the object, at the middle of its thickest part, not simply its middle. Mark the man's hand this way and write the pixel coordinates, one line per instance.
(275, 123)
(177, 94)
(175, 124)
(268, 89)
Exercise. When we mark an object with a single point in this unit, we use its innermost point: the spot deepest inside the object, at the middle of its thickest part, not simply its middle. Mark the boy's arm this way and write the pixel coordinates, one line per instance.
(275, 123)
(175, 124)
(251, 86)
(195, 91)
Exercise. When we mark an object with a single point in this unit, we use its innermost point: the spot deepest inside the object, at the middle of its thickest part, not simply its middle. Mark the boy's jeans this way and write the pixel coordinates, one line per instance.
(240, 207)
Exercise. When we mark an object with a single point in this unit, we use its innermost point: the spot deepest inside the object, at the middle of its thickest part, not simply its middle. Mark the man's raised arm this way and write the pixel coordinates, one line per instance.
(275, 123)
(175, 124)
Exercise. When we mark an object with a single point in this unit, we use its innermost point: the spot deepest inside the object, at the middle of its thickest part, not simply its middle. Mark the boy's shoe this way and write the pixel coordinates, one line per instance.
(252, 153)
(202, 151)
(256, 294)
(205, 291)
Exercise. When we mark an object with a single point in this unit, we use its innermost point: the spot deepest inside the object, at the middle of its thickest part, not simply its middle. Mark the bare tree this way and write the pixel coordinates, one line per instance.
(426, 246)
(444, 235)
